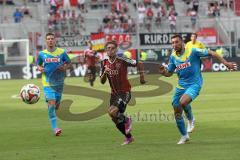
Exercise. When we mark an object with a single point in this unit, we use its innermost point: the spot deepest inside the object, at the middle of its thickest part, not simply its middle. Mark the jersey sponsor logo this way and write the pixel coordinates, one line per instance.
(50, 60)
(183, 65)
(113, 72)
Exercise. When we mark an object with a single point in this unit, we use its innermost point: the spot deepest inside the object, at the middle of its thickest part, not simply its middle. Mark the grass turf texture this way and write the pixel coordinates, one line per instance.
(25, 132)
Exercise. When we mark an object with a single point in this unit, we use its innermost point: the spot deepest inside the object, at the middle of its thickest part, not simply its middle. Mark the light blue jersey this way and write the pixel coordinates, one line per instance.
(187, 67)
(51, 61)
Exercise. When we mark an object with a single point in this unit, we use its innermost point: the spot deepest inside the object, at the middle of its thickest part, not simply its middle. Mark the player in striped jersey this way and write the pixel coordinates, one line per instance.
(115, 70)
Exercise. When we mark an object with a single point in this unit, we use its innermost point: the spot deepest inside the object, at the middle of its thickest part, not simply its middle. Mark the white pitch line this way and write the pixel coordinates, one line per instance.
(15, 96)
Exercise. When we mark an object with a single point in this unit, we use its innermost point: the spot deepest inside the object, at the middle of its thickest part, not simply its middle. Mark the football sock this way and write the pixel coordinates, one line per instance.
(52, 116)
(188, 112)
(181, 125)
(121, 128)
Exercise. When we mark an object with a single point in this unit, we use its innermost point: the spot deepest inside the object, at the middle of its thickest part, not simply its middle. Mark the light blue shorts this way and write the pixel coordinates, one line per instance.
(192, 91)
(52, 94)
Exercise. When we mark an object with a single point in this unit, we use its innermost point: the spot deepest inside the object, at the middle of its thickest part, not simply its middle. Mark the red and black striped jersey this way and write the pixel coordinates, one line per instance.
(118, 75)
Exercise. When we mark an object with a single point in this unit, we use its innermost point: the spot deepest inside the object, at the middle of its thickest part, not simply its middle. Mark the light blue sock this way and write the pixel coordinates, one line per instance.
(188, 112)
(181, 125)
(52, 116)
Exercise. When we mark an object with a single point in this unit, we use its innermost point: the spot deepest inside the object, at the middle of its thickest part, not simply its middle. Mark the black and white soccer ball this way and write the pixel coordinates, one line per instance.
(30, 93)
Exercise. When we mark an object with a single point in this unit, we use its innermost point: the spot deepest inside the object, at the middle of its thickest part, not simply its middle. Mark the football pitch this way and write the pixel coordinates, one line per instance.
(25, 132)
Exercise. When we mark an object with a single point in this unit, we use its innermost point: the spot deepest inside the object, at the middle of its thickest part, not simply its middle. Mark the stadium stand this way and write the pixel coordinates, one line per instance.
(82, 17)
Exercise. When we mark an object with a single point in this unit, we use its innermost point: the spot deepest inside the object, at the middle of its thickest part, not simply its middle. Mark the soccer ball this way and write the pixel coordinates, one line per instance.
(30, 94)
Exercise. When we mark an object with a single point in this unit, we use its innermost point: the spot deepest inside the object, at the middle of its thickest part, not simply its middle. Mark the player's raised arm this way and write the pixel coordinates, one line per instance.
(229, 65)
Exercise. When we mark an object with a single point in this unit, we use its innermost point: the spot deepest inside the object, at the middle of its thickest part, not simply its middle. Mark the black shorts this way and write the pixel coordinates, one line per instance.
(91, 70)
(120, 100)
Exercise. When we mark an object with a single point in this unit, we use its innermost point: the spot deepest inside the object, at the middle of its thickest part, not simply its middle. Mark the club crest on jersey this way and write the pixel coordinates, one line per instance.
(183, 65)
(118, 65)
(50, 60)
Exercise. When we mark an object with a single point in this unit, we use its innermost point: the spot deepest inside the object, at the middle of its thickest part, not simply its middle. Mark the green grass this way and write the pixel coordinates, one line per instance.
(25, 132)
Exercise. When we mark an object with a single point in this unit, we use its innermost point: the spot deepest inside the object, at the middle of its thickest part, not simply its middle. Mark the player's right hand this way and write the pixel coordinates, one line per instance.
(162, 69)
(231, 66)
(107, 70)
(40, 68)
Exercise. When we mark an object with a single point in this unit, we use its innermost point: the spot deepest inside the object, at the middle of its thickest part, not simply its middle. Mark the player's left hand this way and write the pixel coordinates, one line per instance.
(63, 67)
(231, 65)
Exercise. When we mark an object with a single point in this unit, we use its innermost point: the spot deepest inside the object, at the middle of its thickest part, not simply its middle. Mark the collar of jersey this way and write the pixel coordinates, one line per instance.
(57, 52)
(182, 57)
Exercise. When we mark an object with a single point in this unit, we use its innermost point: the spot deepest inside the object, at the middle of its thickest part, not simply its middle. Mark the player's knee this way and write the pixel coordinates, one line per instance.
(112, 111)
(51, 103)
(183, 103)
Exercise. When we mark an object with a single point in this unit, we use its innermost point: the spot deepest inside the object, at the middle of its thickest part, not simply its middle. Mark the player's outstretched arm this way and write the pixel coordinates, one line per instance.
(229, 65)
(140, 68)
(165, 72)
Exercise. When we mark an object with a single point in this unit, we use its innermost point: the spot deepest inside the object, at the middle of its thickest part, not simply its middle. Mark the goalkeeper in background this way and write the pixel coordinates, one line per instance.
(194, 43)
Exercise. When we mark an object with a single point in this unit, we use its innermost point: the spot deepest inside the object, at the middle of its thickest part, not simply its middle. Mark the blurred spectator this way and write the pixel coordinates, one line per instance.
(155, 3)
(106, 19)
(131, 24)
(81, 6)
(193, 15)
(149, 13)
(149, 18)
(158, 18)
(195, 5)
(172, 21)
(53, 5)
(39, 41)
(213, 9)
(134, 2)
(169, 3)
(25, 10)
(17, 15)
(141, 14)
(172, 11)
(147, 2)
(66, 5)
(162, 10)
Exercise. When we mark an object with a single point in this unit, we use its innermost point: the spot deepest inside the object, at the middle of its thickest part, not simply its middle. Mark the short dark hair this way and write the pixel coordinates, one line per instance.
(49, 34)
(194, 34)
(112, 42)
(177, 36)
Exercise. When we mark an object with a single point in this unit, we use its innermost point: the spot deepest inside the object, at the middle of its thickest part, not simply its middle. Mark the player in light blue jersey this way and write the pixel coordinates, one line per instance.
(52, 63)
(186, 64)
